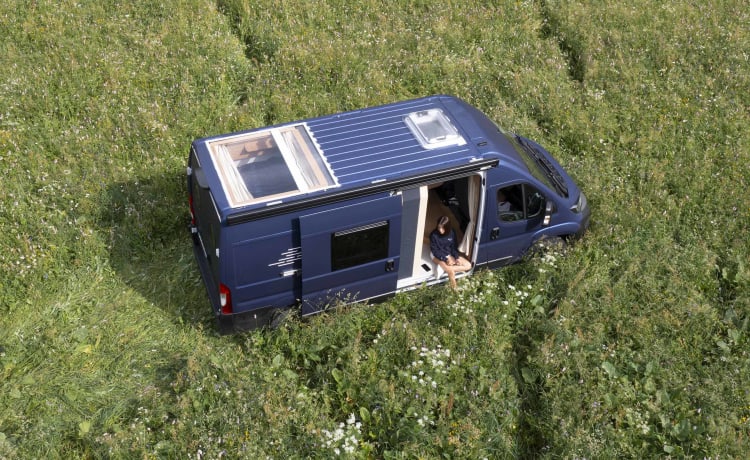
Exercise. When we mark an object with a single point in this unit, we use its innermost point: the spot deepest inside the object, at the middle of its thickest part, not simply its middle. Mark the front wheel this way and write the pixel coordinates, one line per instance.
(546, 245)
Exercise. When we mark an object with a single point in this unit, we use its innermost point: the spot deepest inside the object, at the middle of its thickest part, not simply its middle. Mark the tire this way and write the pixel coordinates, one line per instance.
(279, 317)
(545, 245)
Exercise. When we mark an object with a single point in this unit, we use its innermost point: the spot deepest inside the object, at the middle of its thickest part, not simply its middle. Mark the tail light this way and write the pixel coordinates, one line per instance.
(192, 210)
(225, 299)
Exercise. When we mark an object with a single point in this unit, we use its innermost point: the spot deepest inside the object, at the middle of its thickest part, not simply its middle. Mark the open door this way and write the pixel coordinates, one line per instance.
(351, 252)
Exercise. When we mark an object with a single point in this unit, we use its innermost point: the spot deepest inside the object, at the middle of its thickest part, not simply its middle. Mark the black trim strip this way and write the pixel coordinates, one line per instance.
(328, 198)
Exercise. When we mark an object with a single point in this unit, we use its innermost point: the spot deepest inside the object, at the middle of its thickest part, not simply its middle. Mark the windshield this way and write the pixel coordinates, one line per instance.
(538, 164)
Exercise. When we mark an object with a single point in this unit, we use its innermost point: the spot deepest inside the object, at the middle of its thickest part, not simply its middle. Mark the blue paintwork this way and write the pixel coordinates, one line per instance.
(368, 145)
(282, 258)
(318, 278)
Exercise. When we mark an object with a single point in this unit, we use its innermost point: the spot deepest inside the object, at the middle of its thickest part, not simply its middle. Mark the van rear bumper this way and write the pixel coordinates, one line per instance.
(246, 320)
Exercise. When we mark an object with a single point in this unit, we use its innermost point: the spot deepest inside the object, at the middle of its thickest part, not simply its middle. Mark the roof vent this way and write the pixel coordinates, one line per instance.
(433, 129)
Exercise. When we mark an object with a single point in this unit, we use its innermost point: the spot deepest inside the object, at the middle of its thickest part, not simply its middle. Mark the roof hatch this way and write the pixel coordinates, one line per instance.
(433, 129)
(271, 164)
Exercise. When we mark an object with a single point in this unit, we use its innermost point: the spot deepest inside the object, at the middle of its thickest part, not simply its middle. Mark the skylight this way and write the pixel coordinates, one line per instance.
(270, 164)
(433, 129)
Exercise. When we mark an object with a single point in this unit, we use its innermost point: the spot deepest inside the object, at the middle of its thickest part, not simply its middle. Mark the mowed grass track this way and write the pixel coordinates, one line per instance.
(634, 343)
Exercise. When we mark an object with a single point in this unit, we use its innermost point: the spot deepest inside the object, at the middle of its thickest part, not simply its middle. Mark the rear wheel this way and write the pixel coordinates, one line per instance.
(280, 316)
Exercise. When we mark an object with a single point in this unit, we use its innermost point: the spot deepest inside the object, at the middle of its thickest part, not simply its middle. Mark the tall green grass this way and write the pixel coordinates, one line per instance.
(632, 344)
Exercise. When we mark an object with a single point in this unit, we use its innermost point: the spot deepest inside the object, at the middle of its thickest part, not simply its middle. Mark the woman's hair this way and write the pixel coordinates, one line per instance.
(443, 224)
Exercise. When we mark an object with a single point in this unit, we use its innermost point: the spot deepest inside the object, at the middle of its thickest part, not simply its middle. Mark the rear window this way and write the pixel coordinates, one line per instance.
(271, 164)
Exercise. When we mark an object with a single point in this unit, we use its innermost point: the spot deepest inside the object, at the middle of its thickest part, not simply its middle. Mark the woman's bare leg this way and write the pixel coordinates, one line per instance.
(462, 265)
(449, 270)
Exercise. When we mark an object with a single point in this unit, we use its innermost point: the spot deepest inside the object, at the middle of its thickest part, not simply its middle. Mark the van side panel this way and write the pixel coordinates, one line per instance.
(266, 270)
(350, 250)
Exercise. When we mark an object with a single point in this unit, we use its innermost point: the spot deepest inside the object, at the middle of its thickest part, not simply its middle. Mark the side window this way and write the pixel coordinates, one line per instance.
(359, 245)
(519, 202)
(535, 202)
(510, 203)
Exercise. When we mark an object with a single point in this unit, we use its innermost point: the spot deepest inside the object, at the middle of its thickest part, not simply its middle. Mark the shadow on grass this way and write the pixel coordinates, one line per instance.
(151, 408)
(146, 224)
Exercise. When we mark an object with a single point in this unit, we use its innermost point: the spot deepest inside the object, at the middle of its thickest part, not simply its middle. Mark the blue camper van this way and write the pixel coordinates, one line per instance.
(341, 206)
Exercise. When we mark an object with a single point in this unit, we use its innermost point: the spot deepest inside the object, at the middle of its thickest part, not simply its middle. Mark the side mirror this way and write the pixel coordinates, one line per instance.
(548, 211)
(200, 178)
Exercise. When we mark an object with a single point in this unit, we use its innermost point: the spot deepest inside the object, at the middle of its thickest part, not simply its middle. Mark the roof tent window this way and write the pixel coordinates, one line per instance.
(433, 129)
(270, 164)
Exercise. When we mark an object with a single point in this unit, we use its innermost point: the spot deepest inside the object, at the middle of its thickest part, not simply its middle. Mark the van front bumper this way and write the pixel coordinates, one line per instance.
(585, 221)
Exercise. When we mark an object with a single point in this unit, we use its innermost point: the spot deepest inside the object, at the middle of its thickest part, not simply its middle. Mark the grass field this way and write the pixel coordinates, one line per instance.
(632, 344)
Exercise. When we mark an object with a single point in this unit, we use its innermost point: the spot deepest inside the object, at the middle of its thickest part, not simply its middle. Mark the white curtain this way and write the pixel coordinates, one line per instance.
(473, 191)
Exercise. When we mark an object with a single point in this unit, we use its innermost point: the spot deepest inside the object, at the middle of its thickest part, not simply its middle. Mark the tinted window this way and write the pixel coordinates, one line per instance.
(534, 202)
(519, 202)
(359, 245)
(527, 155)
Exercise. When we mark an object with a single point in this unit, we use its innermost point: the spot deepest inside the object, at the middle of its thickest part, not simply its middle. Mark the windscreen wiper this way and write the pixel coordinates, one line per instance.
(546, 166)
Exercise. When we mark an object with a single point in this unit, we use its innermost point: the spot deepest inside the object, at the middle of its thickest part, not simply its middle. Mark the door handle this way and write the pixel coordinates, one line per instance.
(390, 265)
(495, 233)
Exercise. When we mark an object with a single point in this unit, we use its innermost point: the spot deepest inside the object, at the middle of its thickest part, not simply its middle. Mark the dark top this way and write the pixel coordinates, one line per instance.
(443, 245)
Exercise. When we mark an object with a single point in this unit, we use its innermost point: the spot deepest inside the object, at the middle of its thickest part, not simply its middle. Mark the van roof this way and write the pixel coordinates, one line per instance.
(289, 162)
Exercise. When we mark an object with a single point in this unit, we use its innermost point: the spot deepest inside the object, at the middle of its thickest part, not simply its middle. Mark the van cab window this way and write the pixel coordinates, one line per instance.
(519, 202)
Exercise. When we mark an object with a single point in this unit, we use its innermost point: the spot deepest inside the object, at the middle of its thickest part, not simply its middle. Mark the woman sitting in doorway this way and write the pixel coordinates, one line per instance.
(444, 252)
